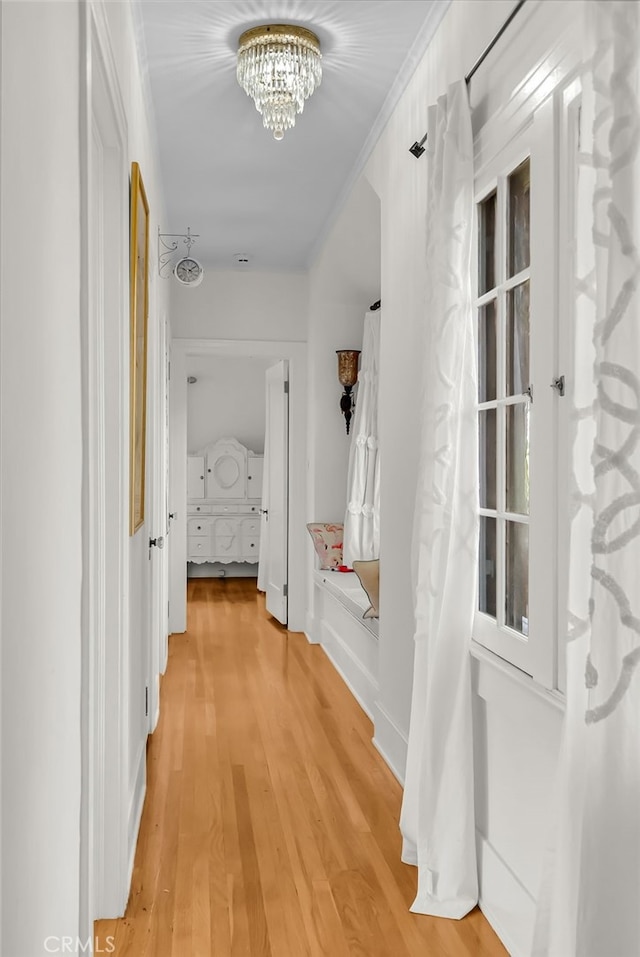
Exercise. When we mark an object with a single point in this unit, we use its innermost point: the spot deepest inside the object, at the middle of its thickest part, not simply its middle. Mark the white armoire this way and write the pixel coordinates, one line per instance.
(224, 490)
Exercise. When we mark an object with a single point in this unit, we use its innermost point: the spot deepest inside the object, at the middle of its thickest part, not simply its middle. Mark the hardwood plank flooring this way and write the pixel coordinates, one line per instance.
(270, 826)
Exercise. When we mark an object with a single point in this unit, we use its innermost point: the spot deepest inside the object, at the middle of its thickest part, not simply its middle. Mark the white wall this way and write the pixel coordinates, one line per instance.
(227, 400)
(40, 474)
(516, 730)
(141, 146)
(241, 304)
(343, 282)
(400, 180)
(42, 172)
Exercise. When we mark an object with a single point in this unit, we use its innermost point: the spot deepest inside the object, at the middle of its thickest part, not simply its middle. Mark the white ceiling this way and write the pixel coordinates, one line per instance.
(224, 175)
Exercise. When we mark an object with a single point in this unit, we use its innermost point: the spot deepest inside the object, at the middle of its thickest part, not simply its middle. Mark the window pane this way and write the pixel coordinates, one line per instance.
(518, 458)
(517, 577)
(519, 219)
(487, 352)
(518, 339)
(487, 447)
(486, 244)
(487, 583)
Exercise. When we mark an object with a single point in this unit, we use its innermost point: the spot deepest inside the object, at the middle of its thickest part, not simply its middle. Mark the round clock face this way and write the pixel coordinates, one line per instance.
(189, 272)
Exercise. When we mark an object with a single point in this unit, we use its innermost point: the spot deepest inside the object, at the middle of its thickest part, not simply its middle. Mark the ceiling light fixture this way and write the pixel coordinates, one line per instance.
(279, 67)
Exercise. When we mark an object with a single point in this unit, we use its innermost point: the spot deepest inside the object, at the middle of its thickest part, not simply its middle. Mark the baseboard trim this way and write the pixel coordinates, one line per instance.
(311, 630)
(357, 678)
(136, 805)
(504, 900)
(390, 742)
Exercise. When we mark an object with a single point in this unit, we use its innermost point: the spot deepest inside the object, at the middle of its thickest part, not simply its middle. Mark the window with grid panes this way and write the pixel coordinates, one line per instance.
(504, 409)
(526, 152)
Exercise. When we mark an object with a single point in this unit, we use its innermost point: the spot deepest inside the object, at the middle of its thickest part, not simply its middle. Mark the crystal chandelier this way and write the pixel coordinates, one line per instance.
(279, 67)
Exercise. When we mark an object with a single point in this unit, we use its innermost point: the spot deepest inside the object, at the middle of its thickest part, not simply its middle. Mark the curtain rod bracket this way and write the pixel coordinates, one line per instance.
(418, 147)
(375, 306)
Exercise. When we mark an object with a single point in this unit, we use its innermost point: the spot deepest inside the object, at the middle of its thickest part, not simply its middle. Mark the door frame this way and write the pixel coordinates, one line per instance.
(296, 355)
(157, 521)
(277, 433)
(105, 387)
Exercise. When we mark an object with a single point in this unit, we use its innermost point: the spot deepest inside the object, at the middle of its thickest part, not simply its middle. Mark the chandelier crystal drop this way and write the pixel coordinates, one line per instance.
(279, 67)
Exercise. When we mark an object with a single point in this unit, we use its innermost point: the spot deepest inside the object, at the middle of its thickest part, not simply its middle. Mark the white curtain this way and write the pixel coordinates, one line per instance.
(362, 519)
(589, 903)
(437, 819)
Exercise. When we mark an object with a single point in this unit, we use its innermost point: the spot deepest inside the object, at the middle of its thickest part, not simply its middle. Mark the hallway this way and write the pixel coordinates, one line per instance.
(270, 822)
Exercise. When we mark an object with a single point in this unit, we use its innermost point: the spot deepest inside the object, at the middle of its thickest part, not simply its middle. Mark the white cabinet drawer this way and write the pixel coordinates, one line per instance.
(199, 545)
(200, 509)
(237, 509)
(251, 528)
(251, 547)
(199, 526)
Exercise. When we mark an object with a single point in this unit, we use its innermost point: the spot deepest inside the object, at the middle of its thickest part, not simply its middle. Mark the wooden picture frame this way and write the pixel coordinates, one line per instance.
(139, 311)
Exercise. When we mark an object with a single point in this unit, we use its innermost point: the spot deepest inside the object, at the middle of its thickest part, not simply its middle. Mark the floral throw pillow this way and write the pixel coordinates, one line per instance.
(327, 541)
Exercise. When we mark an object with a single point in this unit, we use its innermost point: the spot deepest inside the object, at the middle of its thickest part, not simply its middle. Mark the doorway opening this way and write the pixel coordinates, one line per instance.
(225, 405)
(256, 390)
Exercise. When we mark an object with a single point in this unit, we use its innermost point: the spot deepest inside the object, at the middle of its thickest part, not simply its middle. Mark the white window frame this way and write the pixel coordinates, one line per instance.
(543, 127)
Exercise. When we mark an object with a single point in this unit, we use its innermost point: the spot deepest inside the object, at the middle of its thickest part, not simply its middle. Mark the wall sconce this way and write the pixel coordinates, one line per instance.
(347, 376)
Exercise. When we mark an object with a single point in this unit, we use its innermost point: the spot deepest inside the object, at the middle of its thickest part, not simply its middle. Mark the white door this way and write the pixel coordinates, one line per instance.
(277, 504)
(157, 520)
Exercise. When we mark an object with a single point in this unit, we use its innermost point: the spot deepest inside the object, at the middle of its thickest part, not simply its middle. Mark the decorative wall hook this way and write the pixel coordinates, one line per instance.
(347, 376)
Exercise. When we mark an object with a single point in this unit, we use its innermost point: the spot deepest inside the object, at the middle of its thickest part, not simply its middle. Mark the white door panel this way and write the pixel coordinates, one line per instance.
(277, 527)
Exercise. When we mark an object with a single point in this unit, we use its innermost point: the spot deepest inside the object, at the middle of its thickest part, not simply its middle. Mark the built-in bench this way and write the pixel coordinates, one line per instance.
(349, 640)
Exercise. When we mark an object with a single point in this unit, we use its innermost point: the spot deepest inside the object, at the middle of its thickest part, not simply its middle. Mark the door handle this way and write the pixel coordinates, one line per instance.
(156, 542)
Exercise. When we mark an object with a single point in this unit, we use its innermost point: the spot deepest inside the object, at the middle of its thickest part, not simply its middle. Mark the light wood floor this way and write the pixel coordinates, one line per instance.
(270, 823)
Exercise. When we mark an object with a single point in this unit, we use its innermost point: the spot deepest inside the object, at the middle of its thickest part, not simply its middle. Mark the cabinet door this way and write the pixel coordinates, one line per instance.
(255, 465)
(195, 476)
(227, 472)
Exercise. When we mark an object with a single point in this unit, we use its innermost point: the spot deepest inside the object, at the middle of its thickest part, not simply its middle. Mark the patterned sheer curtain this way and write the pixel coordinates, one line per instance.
(589, 903)
(437, 820)
(362, 519)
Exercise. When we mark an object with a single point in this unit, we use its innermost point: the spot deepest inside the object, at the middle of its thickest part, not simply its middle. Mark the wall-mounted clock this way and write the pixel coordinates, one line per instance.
(189, 271)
